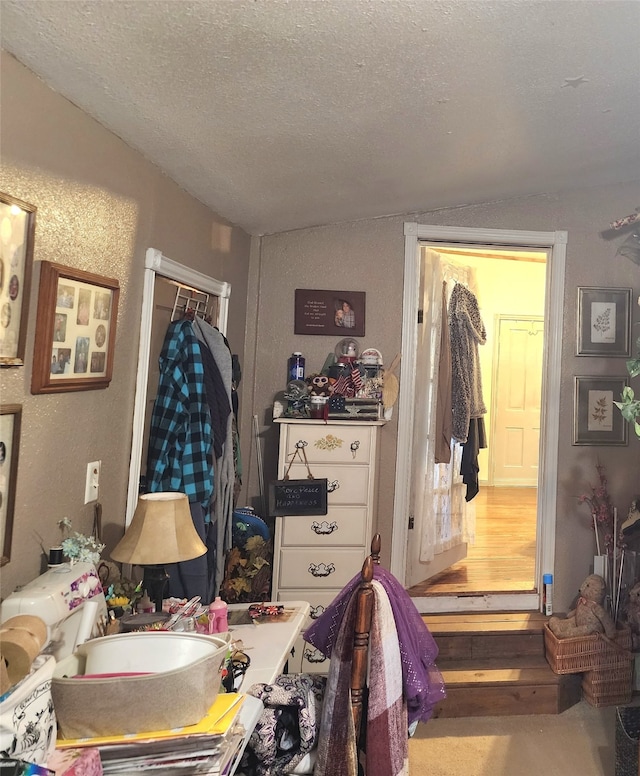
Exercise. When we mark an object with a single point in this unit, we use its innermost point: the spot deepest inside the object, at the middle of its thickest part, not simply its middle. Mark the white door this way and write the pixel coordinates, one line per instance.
(517, 401)
(424, 558)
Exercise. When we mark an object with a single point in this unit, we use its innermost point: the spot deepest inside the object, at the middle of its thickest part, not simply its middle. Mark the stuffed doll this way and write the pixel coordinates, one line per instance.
(589, 616)
(319, 385)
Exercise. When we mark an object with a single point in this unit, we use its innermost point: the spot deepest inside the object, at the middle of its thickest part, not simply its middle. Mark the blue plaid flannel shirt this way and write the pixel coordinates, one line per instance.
(180, 456)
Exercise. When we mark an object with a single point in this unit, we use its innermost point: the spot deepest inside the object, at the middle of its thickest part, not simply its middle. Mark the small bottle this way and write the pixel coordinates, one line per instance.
(145, 604)
(218, 616)
(296, 366)
(547, 593)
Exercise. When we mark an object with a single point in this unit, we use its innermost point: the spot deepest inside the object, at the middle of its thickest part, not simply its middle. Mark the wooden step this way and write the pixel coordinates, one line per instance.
(467, 637)
(493, 664)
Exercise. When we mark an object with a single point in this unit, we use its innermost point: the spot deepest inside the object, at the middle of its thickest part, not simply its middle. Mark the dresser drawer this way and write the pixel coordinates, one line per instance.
(346, 484)
(317, 569)
(342, 526)
(317, 600)
(312, 660)
(325, 444)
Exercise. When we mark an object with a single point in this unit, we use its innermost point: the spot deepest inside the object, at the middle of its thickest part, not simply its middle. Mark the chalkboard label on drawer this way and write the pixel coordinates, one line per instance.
(298, 497)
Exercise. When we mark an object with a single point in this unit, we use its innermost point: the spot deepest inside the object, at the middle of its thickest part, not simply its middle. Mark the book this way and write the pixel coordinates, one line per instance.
(216, 722)
(215, 760)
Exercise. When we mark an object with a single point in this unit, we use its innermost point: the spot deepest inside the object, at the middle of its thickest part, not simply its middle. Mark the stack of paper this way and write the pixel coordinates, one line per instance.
(207, 748)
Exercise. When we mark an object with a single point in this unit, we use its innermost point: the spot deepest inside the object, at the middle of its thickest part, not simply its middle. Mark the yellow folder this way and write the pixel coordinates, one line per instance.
(216, 721)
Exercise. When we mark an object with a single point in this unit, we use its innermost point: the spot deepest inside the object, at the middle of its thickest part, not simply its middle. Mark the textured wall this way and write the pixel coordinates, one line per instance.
(100, 206)
(369, 256)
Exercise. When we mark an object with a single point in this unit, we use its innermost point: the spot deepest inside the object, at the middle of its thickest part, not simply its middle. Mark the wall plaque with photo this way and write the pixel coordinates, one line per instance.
(75, 330)
(333, 313)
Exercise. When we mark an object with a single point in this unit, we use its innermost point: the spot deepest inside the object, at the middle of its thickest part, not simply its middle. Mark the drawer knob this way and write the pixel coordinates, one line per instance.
(324, 527)
(316, 611)
(314, 656)
(333, 485)
(321, 569)
(354, 448)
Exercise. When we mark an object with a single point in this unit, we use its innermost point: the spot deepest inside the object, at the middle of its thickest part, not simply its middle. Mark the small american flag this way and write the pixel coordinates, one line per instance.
(341, 385)
(356, 379)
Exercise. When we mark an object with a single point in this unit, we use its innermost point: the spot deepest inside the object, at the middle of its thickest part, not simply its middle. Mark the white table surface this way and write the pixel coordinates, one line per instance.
(268, 646)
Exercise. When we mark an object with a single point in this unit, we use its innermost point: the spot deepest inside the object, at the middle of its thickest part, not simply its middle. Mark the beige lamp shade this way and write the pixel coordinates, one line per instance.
(161, 531)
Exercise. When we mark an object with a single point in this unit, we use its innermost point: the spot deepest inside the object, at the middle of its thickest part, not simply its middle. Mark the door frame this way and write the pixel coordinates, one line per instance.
(555, 243)
(156, 263)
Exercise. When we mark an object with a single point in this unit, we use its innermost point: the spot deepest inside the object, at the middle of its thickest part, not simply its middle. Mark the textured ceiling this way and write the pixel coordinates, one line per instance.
(281, 114)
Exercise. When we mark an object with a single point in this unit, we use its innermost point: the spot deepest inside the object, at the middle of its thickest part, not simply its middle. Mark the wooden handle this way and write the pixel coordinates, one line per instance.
(395, 362)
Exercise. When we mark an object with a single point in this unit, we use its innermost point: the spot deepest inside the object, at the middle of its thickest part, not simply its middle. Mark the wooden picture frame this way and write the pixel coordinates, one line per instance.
(10, 420)
(332, 313)
(17, 229)
(75, 330)
(597, 421)
(604, 322)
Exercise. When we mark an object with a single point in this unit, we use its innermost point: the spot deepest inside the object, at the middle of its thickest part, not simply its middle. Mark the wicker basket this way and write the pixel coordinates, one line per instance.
(608, 686)
(586, 653)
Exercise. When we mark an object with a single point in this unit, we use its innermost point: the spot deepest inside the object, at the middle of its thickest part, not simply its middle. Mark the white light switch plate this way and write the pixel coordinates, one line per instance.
(92, 483)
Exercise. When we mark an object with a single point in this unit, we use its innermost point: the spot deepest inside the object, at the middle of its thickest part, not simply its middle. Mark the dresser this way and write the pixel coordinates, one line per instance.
(315, 556)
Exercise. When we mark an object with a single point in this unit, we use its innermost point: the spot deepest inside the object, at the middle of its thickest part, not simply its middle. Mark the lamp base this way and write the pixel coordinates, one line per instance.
(155, 580)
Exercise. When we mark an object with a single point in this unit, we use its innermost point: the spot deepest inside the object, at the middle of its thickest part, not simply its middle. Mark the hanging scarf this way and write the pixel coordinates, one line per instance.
(386, 721)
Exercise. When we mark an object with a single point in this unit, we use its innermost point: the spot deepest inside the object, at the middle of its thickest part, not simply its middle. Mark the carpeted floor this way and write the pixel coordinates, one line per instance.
(578, 742)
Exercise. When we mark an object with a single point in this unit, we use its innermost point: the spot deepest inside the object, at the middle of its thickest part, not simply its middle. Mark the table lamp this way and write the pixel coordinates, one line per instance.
(161, 531)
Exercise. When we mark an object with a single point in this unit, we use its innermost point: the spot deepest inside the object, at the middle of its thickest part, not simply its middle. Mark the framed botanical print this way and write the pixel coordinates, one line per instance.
(597, 421)
(17, 230)
(75, 330)
(604, 321)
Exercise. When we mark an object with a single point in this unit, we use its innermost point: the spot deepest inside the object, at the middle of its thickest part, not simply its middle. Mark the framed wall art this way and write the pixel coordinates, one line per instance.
(597, 421)
(75, 330)
(17, 230)
(10, 417)
(333, 313)
(604, 321)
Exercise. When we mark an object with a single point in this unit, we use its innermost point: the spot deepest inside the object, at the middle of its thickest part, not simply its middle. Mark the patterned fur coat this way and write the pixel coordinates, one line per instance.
(466, 331)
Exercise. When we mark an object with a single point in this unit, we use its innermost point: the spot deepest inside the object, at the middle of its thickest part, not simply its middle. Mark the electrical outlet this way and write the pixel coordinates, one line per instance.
(92, 483)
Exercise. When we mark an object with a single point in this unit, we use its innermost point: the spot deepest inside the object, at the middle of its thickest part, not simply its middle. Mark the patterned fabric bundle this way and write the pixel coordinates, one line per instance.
(386, 723)
(288, 727)
(422, 681)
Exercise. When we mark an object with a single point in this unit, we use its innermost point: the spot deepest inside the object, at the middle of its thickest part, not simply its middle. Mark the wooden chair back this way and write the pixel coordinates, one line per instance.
(364, 613)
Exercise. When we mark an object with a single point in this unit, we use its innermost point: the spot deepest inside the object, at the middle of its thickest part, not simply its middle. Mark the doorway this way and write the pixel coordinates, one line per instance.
(476, 242)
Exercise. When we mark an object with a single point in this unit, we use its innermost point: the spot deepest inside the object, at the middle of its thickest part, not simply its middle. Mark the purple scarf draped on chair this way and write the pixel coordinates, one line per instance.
(386, 723)
(422, 681)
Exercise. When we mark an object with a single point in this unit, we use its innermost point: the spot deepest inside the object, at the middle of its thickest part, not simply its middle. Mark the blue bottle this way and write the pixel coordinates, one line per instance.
(296, 366)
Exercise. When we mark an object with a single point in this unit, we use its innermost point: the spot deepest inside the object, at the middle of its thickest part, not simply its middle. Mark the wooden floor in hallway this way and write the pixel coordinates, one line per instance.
(504, 554)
